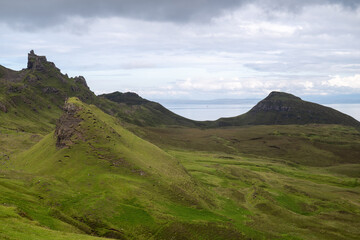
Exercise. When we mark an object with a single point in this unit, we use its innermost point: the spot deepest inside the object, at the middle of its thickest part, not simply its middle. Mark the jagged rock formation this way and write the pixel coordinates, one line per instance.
(38, 63)
(81, 80)
(284, 108)
(66, 125)
(38, 92)
(42, 87)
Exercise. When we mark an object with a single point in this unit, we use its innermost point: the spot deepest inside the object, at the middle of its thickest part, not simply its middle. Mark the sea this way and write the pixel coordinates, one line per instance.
(213, 111)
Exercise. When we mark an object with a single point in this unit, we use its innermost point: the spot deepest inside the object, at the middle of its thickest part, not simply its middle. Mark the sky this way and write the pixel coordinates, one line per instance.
(191, 49)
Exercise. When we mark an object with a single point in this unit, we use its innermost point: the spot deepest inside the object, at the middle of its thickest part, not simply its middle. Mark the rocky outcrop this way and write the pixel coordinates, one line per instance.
(277, 102)
(271, 106)
(50, 90)
(15, 88)
(81, 80)
(3, 108)
(66, 126)
(39, 63)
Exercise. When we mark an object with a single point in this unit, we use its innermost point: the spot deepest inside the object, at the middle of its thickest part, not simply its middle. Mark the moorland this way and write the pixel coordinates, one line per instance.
(74, 165)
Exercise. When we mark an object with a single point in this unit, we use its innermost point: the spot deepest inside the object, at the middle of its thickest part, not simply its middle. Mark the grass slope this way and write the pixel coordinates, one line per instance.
(228, 183)
(312, 145)
(268, 199)
(131, 108)
(93, 178)
(31, 100)
(281, 108)
(109, 182)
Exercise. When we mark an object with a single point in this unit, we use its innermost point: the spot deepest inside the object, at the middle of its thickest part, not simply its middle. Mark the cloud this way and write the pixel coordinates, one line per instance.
(41, 13)
(348, 82)
(198, 48)
(25, 14)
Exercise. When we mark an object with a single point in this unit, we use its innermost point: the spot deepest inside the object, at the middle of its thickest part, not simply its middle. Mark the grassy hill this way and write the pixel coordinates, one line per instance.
(98, 178)
(281, 108)
(33, 97)
(91, 176)
(132, 108)
(312, 145)
(76, 171)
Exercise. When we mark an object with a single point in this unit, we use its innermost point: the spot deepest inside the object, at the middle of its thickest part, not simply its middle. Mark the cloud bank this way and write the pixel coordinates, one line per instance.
(197, 49)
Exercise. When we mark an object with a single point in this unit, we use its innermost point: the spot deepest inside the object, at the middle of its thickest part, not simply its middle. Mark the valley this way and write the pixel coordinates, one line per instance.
(74, 165)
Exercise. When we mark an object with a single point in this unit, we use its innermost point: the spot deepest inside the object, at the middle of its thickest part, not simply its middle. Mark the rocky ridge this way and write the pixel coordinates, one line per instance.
(66, 125)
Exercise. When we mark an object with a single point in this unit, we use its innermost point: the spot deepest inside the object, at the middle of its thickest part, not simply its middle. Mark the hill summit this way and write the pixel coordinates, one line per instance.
(39, 91)
(280, 108)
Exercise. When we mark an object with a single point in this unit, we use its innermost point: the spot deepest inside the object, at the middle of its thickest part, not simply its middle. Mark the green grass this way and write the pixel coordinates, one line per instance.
(14, 227)
(274, 203)
(184, 184)
(109, 181)
(312, 145)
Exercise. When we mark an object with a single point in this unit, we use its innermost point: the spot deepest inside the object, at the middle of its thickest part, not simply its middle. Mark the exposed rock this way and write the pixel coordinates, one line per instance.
(75, 89)
(3, 108)
(15, 89)
(66, 126)
(50, 90)
(271, 106)
(32, 79)
(39, 63)
(276, 101)
(81, 80)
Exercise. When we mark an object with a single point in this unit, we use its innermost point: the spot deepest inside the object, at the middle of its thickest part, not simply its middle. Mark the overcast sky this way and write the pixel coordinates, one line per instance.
(193, 49)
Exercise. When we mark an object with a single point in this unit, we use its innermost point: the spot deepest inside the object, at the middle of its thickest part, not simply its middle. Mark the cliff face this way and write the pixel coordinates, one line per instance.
(278, 102)
(38, 92)
(66, 126)
(39, 63)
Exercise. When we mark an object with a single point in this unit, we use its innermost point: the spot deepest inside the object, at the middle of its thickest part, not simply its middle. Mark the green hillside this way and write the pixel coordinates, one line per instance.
(33, 97)
(78, 166)
(132, 108)
(311, 145)
(281, 108)
(92, 176)
(101, 179)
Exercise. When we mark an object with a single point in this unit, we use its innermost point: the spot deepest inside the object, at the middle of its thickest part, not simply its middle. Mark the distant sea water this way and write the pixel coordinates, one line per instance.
(351, 109)
(213, 111)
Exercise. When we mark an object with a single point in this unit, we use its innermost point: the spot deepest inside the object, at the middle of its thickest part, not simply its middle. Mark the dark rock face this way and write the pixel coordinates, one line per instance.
(66, 126)
(15, 89)
(32, 79)
(279, 102)
(50, 90)
(271, 106)
(75, 89)
(3, 108)
(81, 80)
(38, 63)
